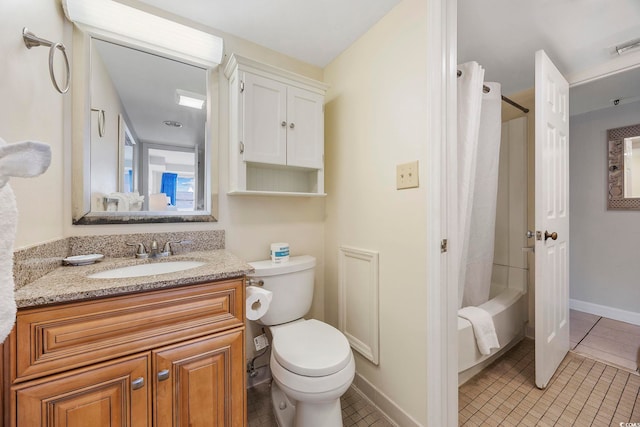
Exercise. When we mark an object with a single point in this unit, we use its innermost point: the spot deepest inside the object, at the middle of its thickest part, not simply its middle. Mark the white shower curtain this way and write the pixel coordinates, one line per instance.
(479, 127)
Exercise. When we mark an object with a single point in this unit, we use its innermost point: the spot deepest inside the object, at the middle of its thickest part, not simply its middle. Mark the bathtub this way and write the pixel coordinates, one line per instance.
(508, 309)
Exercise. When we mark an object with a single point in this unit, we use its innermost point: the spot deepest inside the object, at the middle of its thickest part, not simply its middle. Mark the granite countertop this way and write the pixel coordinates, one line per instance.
(70, 283)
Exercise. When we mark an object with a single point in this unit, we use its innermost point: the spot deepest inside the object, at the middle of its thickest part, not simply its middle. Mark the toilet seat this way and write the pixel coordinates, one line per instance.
(311, 348)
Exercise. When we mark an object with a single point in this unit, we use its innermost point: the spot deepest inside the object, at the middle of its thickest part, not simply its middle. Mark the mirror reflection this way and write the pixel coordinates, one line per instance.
(632, 166)
(623, 166)
(148, 133)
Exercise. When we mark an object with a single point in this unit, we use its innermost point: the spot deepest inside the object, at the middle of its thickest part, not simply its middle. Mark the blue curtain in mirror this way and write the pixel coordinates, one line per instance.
(169, 186)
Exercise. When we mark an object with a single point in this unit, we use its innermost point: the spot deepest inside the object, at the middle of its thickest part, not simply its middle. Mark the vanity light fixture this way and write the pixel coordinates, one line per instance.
(627, 46)
(190, 99)
(122, 20)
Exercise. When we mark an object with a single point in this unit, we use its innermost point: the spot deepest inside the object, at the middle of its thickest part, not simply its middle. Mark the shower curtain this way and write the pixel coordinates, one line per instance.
(479, 127)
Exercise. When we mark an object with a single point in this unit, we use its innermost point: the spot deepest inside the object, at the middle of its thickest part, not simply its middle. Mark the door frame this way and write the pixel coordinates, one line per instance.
(442, 267)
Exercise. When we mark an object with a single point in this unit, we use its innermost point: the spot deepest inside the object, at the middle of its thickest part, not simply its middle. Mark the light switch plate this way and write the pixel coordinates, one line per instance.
(407, 175)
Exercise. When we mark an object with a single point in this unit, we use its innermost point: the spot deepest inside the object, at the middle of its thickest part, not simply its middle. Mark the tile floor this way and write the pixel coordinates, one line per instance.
(356, 409)
(583, 392)
(597, 384)
(610, 341)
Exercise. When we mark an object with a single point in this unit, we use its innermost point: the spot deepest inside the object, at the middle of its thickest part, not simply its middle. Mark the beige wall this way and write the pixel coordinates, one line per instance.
(31, 109)
(375, 119)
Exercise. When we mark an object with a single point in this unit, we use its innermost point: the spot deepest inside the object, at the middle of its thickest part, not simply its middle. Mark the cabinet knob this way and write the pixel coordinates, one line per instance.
(138, 383)
(292, 125)
(163, 375)
(283, 124)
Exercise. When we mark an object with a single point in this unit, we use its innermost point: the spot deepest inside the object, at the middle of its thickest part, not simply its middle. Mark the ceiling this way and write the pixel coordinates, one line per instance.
(579, 36)
(314, 31)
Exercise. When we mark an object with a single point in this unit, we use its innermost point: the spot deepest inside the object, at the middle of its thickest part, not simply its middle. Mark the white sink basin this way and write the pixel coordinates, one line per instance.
(149, 269)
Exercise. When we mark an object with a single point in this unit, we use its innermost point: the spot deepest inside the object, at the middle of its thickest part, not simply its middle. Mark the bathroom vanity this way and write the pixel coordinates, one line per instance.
(162, 350)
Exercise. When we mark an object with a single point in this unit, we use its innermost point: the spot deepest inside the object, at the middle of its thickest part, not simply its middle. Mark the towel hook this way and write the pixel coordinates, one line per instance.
(31, 40)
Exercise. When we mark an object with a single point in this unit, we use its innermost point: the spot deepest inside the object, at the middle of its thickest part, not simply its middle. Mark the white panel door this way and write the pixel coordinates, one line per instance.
(551, 218)
(305, 129)
(265, 120)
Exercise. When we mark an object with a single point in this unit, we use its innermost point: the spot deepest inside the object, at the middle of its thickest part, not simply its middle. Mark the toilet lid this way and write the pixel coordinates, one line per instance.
(311, 348)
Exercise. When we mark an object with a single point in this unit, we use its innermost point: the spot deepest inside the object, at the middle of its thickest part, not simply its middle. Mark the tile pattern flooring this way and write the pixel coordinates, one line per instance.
(583, 392)
(356, 409)
(597, 384)
(613, 342)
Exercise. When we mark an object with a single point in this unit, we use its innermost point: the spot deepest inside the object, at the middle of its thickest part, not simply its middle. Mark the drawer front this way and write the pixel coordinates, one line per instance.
(54, 339)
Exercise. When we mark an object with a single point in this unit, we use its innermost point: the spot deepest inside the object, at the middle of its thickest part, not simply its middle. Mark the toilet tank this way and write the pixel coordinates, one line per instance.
(292, 285)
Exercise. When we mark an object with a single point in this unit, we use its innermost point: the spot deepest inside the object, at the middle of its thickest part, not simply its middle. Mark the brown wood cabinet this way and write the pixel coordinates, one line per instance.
(172, 357)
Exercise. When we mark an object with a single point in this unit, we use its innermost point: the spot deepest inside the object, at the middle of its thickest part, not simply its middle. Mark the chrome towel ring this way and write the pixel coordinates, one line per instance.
(31, 40)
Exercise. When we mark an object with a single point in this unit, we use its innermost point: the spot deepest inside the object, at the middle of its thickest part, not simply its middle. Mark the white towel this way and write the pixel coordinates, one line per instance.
(483, 328)
(23, 159)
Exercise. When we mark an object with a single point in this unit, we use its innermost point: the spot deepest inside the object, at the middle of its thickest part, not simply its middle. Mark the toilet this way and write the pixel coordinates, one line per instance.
(311, 362)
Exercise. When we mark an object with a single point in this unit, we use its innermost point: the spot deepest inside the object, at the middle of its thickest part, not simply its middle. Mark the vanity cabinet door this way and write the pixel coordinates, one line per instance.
(201, 383)
(113, 394)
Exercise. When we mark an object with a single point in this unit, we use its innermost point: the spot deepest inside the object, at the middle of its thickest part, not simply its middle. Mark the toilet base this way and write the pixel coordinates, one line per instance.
(317, 414)
(283, 409)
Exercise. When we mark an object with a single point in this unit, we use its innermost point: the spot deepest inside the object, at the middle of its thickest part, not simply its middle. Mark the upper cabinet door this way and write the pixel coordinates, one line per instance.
(265, 120)
(305, 129)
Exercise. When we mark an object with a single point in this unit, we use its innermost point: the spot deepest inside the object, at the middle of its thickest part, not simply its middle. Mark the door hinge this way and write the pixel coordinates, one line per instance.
(241, 147)
(241, 86)
(443, 246)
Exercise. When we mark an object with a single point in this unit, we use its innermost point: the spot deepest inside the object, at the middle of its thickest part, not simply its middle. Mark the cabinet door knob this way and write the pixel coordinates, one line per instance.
(163, 375)
(138, 383)
(283, 124)
(292, 125)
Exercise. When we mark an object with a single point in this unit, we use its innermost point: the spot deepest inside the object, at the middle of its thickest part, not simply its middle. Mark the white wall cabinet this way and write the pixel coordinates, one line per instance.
(276, 130)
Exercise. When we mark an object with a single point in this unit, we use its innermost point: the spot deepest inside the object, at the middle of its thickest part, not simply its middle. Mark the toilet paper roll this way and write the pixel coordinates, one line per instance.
(257, 302)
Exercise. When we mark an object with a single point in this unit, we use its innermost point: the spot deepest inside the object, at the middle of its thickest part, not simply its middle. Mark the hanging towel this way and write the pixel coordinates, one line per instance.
(483, 328)
(23, 159)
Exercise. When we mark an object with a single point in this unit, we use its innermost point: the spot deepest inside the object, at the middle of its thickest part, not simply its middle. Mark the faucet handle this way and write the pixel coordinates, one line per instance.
(167, 246)
(141, 250)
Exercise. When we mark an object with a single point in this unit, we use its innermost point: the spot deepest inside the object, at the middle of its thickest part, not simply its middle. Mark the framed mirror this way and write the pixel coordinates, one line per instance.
(146, 153)
(623, 145)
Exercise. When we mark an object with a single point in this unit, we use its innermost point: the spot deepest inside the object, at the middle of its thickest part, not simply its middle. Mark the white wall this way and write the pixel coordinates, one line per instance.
(605, 244)
(375, 119)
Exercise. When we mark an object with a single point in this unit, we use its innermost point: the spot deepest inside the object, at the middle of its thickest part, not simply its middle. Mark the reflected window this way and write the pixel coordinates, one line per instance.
(172, 174)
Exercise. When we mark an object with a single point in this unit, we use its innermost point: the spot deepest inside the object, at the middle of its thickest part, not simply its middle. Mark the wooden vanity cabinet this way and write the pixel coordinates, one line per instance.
(171, 357)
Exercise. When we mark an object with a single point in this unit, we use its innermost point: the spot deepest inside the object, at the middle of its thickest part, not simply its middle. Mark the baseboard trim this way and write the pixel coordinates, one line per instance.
(605, 311)
(388, 407)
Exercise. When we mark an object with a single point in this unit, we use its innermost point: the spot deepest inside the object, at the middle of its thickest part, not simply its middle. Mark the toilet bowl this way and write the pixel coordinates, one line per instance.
(311, 362)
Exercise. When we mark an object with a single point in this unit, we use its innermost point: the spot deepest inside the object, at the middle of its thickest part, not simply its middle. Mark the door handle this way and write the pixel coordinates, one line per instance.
(554, 235)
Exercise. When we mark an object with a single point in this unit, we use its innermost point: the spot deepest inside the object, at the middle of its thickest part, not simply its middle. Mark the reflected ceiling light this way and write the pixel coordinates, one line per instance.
(122, 20)
(190, 99)
(625, 47)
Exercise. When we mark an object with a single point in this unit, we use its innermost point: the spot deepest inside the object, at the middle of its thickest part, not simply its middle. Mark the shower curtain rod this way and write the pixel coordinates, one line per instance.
(486, 89)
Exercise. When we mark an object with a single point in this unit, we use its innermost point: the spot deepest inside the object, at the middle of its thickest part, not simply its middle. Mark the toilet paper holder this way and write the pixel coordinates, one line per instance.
(255, 282)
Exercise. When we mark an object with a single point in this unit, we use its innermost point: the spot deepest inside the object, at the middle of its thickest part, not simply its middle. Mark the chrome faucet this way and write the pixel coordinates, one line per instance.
(141, 250)
(154, 252)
